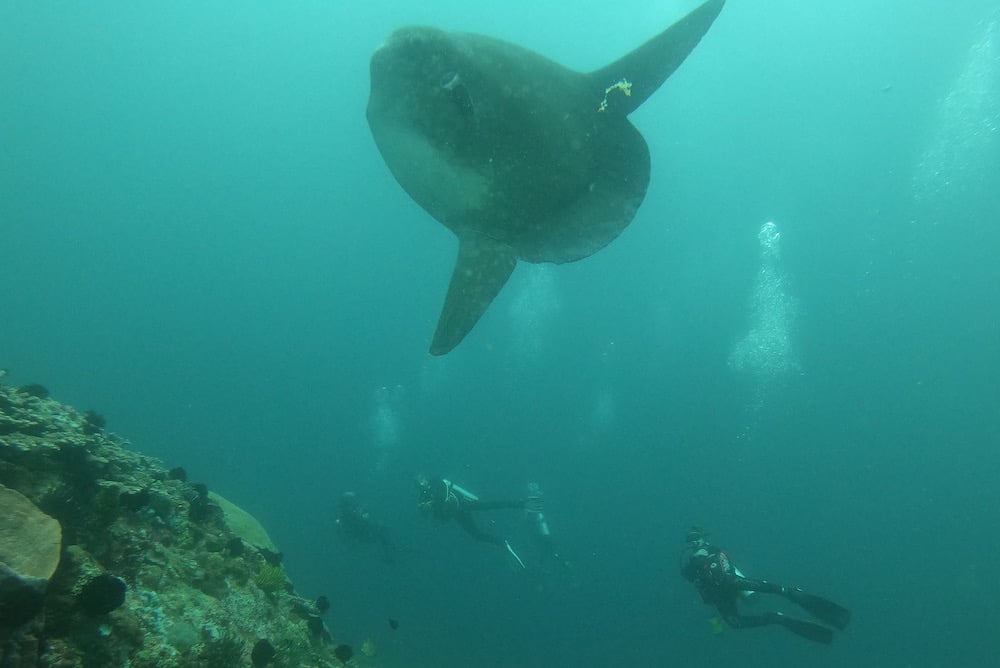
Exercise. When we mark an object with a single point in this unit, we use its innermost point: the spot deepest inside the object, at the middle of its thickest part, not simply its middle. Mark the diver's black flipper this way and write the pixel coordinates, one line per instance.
(821, 608)
(807, 630)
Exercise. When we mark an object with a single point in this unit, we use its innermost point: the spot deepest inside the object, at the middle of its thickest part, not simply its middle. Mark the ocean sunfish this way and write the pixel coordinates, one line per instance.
(520, 157)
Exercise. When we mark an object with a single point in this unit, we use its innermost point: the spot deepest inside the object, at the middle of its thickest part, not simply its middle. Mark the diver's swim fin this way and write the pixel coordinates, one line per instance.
(823, 609)
(807, 630)
(513, 553)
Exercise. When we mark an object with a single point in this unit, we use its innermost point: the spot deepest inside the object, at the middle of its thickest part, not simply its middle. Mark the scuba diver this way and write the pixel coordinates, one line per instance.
(443, 500)
(354, 521)
(721, 584)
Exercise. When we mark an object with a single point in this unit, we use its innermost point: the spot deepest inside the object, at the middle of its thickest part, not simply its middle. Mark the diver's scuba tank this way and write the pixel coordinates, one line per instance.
(534, 508)
(464, 493)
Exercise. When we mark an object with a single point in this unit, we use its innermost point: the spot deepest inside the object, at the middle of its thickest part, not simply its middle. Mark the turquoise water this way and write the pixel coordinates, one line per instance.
(199, 240)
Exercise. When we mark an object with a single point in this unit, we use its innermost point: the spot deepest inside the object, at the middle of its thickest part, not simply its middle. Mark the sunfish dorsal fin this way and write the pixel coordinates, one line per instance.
(482, 268)
(627, 82)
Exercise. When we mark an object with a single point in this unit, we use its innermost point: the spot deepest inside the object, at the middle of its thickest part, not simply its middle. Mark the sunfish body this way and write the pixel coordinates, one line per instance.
(522, 158)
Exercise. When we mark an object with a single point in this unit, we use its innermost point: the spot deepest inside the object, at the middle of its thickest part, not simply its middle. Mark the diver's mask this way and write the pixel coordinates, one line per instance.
(695, 537)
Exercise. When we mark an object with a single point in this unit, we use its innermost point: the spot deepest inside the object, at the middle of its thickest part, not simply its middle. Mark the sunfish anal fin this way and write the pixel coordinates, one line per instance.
(482, 268)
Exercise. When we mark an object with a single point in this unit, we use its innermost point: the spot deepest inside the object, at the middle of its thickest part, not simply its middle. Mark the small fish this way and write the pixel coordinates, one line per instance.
(393, 624)
(343, 652)
(322, 604)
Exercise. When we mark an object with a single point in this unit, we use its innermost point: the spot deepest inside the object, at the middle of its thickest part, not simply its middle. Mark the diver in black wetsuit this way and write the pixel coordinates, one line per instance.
(443, 500)
(721, 584)
(354, 521)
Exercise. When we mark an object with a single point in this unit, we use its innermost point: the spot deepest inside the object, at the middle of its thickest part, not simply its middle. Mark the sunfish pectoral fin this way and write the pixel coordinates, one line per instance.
(482, 268)
(627, 82)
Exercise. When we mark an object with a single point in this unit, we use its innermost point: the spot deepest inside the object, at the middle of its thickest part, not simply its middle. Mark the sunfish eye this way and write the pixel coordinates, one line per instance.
(449, 80)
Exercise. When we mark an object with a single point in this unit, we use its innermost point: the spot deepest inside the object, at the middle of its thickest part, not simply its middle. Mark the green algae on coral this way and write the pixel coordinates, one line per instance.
(29, 539)
(270, 578)
(242, 523)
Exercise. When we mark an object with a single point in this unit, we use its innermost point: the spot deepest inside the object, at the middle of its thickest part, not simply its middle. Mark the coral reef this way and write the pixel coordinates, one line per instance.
(109, 559)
